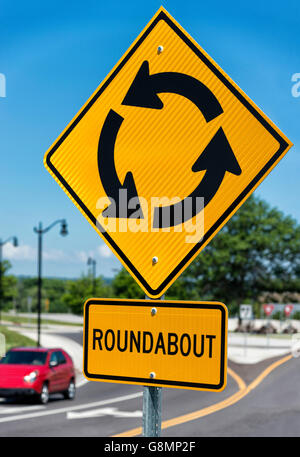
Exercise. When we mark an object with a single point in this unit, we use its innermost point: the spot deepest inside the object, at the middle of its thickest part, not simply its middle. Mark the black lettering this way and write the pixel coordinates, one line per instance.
(198, 354)
(185, 353)
(137, 341)
(122, 349)
(97, 338)
(109, 332)
(160, 343)
(210, 337)
(145, 349)
(172, 341)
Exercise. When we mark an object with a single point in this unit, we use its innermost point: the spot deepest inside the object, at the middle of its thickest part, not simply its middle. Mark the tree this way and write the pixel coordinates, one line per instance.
(258, 250)
(124, 286)
(8, 286)
(52, 290)
(79, 290)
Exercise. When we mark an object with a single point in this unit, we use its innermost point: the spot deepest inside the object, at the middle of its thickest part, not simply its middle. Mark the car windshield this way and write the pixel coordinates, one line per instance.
(24, 358)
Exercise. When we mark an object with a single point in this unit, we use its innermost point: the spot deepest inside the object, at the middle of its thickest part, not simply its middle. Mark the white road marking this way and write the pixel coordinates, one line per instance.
(50, 412)
(18, 409)
(103, 412)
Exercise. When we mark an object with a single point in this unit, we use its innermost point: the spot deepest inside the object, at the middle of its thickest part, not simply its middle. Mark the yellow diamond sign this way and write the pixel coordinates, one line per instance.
(163, 153)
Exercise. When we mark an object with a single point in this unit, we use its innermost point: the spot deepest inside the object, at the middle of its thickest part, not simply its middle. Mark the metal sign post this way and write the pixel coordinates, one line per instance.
(246, 313)
(152, 411)
(152, 401)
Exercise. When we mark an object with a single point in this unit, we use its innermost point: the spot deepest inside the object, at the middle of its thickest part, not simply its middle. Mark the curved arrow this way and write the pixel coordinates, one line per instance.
(216, 159)
(218, 156)
(119, 194)
(145, 87)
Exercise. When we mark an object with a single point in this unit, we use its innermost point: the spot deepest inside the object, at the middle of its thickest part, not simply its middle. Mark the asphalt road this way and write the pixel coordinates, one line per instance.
(270, 407)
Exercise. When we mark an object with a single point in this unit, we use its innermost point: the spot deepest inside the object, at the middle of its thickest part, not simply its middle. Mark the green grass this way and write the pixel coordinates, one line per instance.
(13, 339)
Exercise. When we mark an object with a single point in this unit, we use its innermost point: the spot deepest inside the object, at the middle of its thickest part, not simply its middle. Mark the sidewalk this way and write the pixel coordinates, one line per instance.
(249, 349)
(60, 317)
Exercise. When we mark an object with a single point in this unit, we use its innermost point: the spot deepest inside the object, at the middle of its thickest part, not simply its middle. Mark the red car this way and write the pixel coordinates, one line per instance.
(37, 372)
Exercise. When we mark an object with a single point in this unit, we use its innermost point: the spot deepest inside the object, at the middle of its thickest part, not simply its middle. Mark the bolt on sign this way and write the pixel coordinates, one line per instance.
(163, 153)
(164, 343)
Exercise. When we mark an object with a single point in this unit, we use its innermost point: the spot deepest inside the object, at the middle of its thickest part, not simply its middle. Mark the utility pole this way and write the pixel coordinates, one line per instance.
(93, 262)
(40, 232)
(152, 405)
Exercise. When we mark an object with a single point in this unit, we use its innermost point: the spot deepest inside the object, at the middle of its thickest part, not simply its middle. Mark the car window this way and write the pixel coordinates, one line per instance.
(24, 358)
(54, 357)
(61, 357)
(57, 357)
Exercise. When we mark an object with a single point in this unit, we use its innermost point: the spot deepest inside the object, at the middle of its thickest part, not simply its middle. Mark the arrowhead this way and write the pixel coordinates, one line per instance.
(141, 92)
(129, 185)
(128, 204)
(218, 154)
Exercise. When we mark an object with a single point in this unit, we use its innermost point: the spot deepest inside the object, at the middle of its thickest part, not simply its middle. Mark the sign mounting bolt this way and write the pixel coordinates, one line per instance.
(152, 375)
(153, 311)
(160, 49)
(154, 260)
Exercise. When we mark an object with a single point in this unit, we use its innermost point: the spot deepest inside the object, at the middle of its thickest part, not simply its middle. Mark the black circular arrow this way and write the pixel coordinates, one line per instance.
(216, 159)
(145, 87)
(119, 194)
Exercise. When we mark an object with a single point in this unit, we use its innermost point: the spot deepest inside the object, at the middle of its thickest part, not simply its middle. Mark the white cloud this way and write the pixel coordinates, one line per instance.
(23, 252)
(29, 253)
(81, 256)
(55, 255)
(104, 251)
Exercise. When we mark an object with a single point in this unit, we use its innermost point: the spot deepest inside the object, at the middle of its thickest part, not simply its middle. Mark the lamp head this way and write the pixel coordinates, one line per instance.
(64, 228)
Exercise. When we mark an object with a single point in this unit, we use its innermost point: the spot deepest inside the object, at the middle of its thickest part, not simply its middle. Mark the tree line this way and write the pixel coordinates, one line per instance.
(255, 258)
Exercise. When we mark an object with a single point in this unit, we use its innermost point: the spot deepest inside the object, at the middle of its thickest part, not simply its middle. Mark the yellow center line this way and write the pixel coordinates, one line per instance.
(241, 393)
(240, 382)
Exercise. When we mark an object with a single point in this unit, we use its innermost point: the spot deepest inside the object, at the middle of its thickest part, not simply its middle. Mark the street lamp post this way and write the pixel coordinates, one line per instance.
(93, 262)
(2, 243)
(40, 232)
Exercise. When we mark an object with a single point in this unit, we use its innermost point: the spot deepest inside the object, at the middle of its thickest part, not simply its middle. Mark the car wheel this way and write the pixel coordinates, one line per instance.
(69, 394)
(44, 395)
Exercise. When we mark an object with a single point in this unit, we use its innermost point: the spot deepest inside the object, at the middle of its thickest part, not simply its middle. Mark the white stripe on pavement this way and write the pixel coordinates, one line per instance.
(98, 412)
(19, 409)
(70, 408)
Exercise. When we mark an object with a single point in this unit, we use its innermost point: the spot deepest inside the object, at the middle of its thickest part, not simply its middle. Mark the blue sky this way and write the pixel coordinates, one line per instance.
(54, 55)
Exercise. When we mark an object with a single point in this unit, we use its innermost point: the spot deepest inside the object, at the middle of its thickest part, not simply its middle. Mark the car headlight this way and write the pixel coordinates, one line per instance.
(31, 377)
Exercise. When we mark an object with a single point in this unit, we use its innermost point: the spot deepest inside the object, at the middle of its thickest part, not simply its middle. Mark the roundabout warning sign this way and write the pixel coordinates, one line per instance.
(163, 153)
(161, 343)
